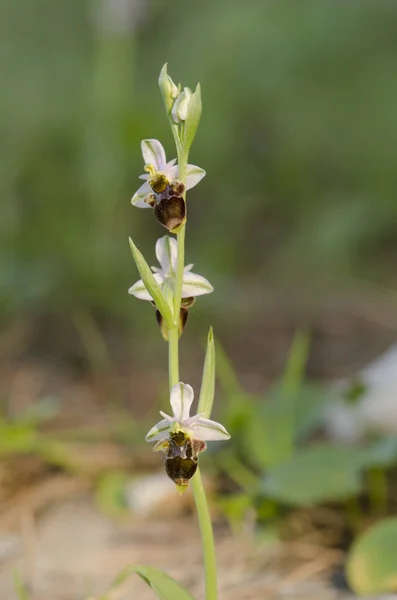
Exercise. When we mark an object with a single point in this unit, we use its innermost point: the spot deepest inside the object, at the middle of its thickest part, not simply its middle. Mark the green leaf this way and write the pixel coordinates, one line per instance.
(110, 493)
(296, 363)
(19, 586)
(371, 566)
(207, 391)
(17, 438)
(226, 373)
(235, 508)
(354, 391)
(278, 422)
(266, 428)
(275, 424)
(162, 584)
(316, 474)
(192, 120)
(152, 286)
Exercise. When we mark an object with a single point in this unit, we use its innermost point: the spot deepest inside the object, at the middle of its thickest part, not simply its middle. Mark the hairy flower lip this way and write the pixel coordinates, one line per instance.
(170, 212)
(196, 427)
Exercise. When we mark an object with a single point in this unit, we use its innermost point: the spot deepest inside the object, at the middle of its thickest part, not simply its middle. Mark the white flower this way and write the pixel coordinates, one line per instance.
(166, 252)
(156, 165)
(196, 428)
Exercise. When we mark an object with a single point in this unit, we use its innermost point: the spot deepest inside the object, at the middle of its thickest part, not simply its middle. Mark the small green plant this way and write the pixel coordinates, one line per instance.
(276, 461)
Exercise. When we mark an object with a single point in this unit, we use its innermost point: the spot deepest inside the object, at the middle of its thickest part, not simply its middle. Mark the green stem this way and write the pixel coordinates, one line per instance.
(182, 169)
(204, 518)
(207, 537)
(179, 272)
(378, 490)
(173, 356)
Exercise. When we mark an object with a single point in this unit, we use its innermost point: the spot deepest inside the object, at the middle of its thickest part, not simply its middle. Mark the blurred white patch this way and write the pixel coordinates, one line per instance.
(344, 422)
(149, 494)
(382, 370)
(10, 547)
(375, 410)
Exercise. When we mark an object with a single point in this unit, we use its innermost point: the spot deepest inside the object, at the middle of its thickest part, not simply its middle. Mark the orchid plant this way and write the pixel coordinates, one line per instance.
(172, 288)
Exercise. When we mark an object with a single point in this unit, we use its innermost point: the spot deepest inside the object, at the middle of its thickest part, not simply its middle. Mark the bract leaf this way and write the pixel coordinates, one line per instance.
(152, 286)
(207, 390)
(191, 123)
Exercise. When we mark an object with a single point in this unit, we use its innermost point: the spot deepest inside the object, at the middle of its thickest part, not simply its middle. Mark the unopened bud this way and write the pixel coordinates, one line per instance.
(168, 89)
(180, 108)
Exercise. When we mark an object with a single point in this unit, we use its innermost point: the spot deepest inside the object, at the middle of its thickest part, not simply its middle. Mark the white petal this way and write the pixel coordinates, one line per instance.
(167, 417)
(181, 399)
(195, 285)
(153, 154)
(144, 177)
(194, 176)
(188, 267)
(171, 173)
(138, 199)
(139, 290)
(159, 431)
(166, 252)
(207, 430)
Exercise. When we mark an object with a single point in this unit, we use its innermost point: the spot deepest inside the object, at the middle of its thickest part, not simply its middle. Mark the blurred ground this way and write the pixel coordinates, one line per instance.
(67, 548)
(71, 550)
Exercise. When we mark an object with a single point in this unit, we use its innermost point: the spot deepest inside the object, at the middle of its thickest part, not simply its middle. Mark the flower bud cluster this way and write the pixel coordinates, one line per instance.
(183, 107)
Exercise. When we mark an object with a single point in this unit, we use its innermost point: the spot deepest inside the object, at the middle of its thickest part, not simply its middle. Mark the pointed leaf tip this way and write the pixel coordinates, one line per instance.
(193, 118)
(207, 390)
(162, 584)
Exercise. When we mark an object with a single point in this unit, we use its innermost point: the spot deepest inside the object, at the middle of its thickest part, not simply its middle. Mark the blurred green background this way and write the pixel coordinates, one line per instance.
(297, 136)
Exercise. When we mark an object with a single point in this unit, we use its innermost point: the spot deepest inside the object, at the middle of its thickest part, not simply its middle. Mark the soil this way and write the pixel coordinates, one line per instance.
(65, 547)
